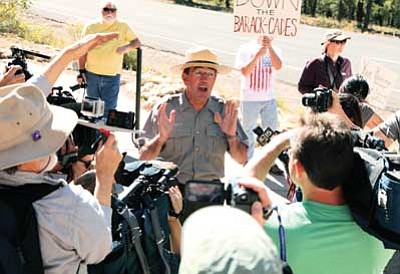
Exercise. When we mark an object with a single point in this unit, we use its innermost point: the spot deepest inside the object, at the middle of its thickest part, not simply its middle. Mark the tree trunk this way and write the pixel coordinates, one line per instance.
(313, 7)
(360, 13)
(341, 11)
(367, 15)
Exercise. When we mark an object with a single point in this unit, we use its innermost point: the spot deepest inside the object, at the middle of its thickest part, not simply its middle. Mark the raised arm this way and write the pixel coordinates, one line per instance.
(74, 52)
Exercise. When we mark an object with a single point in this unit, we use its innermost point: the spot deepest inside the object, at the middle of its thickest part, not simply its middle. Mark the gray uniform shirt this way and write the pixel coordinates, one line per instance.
(196, 144)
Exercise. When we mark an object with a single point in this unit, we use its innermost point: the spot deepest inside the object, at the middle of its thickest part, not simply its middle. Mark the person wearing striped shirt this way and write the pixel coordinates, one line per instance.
(258, 60)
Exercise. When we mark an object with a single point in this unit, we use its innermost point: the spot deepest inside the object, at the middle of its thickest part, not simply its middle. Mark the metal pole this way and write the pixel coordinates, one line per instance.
(138, 84)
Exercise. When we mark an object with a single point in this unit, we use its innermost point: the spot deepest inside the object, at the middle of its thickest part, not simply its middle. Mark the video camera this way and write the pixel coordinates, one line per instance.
(368, 140)
(19, 56)
(200, 193)
(319, 100)
(144, 179)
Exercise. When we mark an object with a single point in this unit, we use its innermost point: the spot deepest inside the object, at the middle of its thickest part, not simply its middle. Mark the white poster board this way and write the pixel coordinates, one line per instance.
(267, 17)
(381, 83)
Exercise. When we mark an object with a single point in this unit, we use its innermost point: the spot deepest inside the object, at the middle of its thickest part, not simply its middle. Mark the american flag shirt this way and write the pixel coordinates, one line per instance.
(259, 84)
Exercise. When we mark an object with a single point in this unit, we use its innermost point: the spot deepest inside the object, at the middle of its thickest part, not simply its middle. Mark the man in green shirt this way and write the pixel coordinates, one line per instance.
(321, 235)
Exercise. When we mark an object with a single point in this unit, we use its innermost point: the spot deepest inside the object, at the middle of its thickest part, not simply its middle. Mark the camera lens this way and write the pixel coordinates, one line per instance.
(308, 100)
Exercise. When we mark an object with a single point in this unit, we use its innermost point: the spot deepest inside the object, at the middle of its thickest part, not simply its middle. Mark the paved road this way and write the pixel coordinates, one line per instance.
(176, 28)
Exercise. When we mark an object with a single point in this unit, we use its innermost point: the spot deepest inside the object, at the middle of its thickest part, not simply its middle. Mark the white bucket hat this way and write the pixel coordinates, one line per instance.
(220, 240)
(30, 127)
(200, 57)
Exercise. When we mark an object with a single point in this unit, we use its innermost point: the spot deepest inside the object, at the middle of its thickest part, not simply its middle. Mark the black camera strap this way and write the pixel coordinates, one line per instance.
(332, 77)
(133, 223)
(158, 233)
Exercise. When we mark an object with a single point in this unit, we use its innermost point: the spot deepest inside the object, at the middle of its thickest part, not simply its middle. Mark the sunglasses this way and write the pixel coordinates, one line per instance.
(339, 42)
(106, 9)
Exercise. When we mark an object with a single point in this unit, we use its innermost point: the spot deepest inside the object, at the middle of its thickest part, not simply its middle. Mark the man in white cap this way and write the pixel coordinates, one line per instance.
(194, 129)
(101, 68)
(330, 69)
(73, 225)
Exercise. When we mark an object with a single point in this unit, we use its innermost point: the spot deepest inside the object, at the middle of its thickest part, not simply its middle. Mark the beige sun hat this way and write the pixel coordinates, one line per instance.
(221, 240)
(200, 57)
(30, 127)
(334, 34)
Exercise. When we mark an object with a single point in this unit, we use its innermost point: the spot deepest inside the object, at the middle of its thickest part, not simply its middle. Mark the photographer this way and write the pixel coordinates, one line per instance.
(357, 85)
(74, 227)
(321, 235)
(9, 77)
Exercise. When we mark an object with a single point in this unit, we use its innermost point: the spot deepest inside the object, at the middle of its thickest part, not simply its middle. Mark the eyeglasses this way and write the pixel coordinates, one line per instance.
(106, 9)
(208, 74)
(339, 42)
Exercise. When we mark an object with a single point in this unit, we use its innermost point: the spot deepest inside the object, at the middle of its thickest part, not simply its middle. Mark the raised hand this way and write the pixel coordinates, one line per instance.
(165, 123)
(228, 123)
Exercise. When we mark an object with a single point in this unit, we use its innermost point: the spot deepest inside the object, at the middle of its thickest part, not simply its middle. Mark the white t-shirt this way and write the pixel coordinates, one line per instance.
(259, 84)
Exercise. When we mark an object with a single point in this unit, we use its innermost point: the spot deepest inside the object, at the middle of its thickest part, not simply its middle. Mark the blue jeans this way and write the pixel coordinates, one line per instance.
(104, 87)
(268, 112)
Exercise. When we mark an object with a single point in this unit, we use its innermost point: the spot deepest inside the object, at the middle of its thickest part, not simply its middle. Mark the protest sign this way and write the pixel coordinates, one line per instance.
(381, 83)
(267, 17)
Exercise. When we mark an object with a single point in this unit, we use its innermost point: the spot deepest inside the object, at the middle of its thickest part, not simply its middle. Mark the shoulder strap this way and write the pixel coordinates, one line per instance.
(29, 192)
(134, 227)
(158, 233)
(330, 73)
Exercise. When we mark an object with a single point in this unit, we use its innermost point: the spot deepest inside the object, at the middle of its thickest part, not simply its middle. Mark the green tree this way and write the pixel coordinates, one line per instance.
(9, 14)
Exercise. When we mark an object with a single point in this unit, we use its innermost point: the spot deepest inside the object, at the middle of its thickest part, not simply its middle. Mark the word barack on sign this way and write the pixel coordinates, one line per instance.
(269, 17)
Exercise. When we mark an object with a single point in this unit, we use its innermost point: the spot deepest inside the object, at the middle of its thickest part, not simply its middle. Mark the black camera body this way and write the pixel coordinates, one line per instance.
(19, 56)
(368, 140)
(201, 193)
(144, 178)
(59, 97)
(121, 119)
(319, 100)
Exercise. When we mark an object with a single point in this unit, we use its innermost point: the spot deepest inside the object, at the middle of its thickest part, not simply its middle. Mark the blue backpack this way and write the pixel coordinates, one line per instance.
(373, 194)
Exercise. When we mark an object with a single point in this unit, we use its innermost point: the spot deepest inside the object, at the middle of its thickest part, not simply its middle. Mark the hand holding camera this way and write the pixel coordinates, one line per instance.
(11, 76)
(107, 158)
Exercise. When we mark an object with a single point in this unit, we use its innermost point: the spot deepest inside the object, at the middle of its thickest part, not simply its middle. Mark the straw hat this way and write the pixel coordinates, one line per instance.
(30, 128)
(200, 57)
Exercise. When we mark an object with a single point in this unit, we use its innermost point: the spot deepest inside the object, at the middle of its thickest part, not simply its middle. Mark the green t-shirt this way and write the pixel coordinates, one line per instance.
(324, 239)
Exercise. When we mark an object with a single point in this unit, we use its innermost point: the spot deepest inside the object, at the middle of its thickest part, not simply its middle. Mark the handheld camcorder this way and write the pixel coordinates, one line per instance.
(19, 56)
(60, 97)
(319, 100)
(200, 193)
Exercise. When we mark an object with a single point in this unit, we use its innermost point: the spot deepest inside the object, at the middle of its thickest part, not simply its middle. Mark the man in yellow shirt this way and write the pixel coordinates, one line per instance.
(100, 68)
